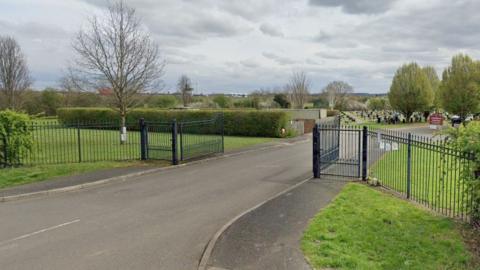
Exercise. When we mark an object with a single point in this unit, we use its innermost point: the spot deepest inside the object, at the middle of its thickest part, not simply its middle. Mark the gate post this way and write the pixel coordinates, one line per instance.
(316, 151)
(409, 165)
(143, 139)
(365, 154)
(223, 132)
(174, 143)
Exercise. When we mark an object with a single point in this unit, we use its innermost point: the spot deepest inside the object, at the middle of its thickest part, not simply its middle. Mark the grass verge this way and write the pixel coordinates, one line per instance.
(31, 174)
(366, 229)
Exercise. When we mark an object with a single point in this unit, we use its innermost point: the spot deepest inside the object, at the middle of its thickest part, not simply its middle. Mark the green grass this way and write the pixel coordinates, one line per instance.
(367, 229)
(25, 175)
(61, 146)
(435, 177)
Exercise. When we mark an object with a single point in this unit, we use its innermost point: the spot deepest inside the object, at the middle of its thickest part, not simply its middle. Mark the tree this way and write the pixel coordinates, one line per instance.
(222, 101)
(115, 52)
(185, 88)
(410, 90)
(459, 89)
(336, 92)
(163, 101)
(51, 100)
(282, 100)
(434, 83)
(377, 104)
(298, 89)
(14, 75)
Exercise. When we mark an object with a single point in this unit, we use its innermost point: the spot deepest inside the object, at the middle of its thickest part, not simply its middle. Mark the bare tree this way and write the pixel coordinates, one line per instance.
(185, 88)
(14, 75)
(336, 92)
(298, 89)
(114, 51)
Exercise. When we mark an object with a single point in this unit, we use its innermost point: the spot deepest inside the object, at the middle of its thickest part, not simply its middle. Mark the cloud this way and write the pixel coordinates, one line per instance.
(271, 30)
(357, 6)
(282, 60)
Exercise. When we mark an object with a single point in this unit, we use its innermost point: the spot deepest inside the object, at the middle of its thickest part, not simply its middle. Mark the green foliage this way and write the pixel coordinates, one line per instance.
(467, 139)
(377, 104)
(332, 113)
(320, 102)
(459, 90)
(223, 101)
(282, 100)
(163, 101)
(366, 229)
(434, 83)
(411, 90)
(239, 123)
(51, 100)
(15, 137)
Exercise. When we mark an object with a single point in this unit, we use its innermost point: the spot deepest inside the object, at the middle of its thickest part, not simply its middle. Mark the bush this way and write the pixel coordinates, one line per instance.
(467, 139)
(239, 123)
(15, 137)
(332, 113)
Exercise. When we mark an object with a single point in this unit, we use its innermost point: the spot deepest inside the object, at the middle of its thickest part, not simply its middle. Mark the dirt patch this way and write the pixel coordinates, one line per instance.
(471, 237)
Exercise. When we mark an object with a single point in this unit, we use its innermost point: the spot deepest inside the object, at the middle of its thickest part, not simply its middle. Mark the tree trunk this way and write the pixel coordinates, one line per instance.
(123, 129)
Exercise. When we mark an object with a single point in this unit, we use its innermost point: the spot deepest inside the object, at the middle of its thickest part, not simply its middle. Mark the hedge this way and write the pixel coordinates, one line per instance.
(239, 123)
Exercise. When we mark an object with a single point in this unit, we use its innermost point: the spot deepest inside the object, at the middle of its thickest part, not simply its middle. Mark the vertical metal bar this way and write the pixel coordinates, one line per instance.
(365, 154)
(79, 143)
(143, 142)
(409, 165)
(316, 151)
(223, 132)
(180, 129)
(174, 143)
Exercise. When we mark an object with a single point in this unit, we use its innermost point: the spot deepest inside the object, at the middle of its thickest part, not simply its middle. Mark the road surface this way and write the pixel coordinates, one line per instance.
(158, 221)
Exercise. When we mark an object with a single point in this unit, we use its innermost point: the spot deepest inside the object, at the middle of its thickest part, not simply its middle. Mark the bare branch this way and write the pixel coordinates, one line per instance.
(298, 89)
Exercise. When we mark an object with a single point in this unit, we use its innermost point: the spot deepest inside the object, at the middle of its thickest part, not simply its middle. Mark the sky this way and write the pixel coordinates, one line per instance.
(238, 46)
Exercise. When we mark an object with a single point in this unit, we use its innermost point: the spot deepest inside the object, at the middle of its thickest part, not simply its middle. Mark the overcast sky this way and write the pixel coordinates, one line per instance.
(237, 46)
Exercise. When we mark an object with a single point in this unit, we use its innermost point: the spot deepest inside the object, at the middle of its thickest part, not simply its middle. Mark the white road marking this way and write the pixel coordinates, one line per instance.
(39, 231)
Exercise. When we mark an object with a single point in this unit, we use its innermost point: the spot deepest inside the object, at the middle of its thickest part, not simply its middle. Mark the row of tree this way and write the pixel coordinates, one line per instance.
(417, 89)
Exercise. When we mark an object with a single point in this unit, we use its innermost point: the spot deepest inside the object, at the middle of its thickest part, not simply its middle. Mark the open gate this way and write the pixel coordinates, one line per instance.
(337, 150)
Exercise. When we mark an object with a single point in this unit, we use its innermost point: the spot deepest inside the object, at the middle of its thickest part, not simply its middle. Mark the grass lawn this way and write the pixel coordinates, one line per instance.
(26, 175)
(96, 146)
(435, 177)
(366, 229)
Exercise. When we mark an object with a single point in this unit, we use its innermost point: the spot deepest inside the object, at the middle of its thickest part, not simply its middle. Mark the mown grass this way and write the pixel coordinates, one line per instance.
(56, 153)
(435, 176)
(367, 229)
(25, 175)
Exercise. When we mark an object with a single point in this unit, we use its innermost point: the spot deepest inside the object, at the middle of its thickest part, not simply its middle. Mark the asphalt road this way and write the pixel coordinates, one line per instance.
(158, 221)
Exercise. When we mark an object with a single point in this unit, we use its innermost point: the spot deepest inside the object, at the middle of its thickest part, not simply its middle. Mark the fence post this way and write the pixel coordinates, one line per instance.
(316, 151)
(222, 123)
(143, 139)
(409, 165)
(180, 129)
(79, 143)
(174, 143)
(365, 154)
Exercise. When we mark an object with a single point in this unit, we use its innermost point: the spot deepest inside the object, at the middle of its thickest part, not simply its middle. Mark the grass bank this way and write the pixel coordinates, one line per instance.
(367, 229)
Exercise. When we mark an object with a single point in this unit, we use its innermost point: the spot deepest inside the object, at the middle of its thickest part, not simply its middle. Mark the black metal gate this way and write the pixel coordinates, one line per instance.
(338, 151)
(181, 141)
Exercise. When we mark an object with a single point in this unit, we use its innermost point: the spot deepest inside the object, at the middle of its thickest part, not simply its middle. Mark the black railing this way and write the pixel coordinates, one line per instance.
(427, 170)
(59, 143)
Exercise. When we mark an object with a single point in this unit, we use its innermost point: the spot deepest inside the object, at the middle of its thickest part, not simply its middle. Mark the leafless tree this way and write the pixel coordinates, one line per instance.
(336, 92)
(185, 88)
(114, 51)
(14, 74)
(298, 89)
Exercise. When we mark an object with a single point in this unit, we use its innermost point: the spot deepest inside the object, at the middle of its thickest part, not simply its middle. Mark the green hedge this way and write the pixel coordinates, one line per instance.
(239, 123)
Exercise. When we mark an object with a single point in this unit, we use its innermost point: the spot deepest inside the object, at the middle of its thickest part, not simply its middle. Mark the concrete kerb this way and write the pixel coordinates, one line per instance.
(207, 253)
(127, 177)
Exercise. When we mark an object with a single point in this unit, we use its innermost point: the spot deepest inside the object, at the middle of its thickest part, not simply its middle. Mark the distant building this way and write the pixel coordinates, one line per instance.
(105, 91)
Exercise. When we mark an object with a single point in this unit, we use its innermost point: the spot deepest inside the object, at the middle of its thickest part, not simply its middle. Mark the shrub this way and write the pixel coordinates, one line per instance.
(332, 113)
(467, 139)
(239, 123)
(15, 137)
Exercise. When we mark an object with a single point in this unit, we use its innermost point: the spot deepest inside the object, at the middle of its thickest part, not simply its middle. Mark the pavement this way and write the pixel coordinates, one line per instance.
(269, 237)
(161, 220)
